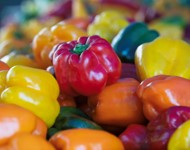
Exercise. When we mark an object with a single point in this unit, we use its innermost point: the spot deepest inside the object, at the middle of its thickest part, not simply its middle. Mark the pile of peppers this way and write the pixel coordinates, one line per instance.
(97, 75)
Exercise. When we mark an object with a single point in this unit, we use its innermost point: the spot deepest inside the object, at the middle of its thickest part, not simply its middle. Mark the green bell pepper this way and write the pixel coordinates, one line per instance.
(128, 39)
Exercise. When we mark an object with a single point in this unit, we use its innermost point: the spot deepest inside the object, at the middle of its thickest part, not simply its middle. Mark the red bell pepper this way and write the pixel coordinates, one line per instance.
(86, 66)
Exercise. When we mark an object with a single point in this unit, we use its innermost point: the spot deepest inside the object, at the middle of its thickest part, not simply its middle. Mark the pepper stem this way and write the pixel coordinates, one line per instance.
(79, 48)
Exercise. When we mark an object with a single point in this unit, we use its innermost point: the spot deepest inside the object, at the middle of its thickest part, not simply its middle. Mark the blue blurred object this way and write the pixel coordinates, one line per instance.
(10, 9)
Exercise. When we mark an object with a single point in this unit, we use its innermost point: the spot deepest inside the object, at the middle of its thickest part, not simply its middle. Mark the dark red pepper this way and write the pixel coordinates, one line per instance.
(134, 137)
(158, 131)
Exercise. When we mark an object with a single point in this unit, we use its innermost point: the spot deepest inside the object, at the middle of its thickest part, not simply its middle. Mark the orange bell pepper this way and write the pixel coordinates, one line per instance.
(44, 41)
(161, 92)
(15, 119)
(117, 105)
(26, 141)
(88, 139)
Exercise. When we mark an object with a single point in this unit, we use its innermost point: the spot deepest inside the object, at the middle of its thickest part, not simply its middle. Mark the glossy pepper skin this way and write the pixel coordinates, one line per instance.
(87, 139)
(121, 100)
(101, 24)
(163, 56)
(23, 141)
(133, 137)
(129, 38)
(161, 129)
(15, 119)
(161, 92)
(44, 41)
(182, 133)
(30, 88)
(85, 66)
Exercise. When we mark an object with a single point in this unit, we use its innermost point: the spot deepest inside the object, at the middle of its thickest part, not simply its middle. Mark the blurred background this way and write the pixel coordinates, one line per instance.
(26, 24)
(18, 10)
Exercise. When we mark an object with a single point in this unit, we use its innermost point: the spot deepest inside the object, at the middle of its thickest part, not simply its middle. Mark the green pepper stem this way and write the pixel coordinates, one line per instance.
(79, 48)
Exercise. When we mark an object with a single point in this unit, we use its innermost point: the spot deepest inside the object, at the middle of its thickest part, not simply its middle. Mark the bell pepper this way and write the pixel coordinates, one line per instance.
(82, 8)
(121, 100)
(182, 133)
(15, 58)
(172, 26)
(15, 119)
(101, 24)
(69, 118)
(86, 66)
(17, 52)
(23, 141)
(12, 31)
(134, 137)
(161, 92)
(158, 132)
(90, 139)
(161, 129)
(15, 47)
(163, 56)
(60, 9)
(129, 38)
(33, 26)
(12, 45)
(30, 88)
(131, 9)
(44, 41)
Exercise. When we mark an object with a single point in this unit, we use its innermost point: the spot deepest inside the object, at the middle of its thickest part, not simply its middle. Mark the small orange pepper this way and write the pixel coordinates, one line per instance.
(86, 139)
(118, 104)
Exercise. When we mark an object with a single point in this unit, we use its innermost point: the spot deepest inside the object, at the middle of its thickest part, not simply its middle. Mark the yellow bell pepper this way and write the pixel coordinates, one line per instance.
(33, 89)
(167, 29)
(164, 55)
(102, 24)
(180, 139)
(13, 59)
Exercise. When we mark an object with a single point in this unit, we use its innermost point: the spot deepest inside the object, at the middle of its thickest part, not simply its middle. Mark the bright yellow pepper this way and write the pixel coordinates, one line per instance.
(34, 89)
(180, 139)
(164, 55)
